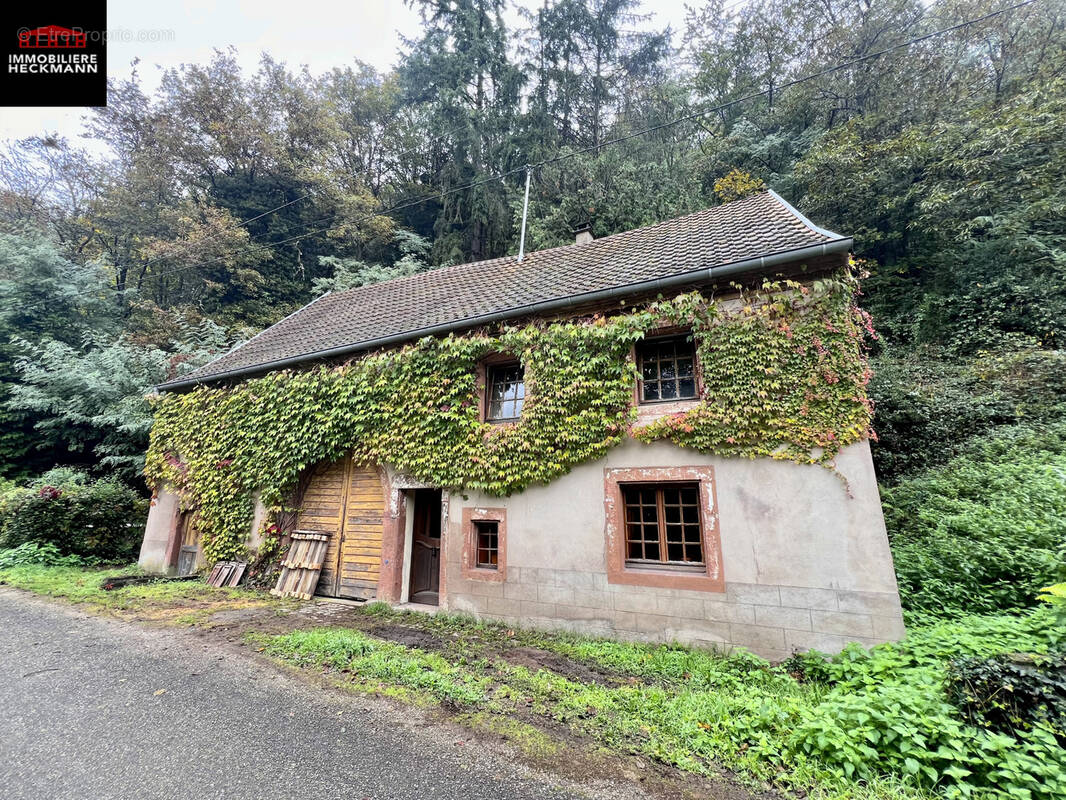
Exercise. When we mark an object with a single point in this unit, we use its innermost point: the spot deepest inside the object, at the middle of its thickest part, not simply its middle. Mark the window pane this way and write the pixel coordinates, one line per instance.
(669, 371)
(689, 495)
(684, 367)
(669, 391)
(675, 552)
(673, 513)
(506, 390)
(487, 543)
(649, 370)
(651, 391)
(636, 550)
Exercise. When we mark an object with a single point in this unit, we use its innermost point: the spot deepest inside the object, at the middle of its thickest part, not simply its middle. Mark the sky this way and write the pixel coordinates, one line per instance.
(319, 33)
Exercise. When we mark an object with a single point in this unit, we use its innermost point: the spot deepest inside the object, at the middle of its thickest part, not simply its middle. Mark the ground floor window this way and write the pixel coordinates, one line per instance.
(663, 524)
(662, 528)
(485, 544)
(487, 532)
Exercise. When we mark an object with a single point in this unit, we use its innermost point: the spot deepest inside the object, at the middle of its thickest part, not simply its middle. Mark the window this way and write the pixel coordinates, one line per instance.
(487, 532)
(484, 544)
(506, 391)
(667, 369)
(661, 528)
(663, 524)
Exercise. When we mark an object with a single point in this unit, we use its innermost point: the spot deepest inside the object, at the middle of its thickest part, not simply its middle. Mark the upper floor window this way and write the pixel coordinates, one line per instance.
(505, 386)
(667, 369)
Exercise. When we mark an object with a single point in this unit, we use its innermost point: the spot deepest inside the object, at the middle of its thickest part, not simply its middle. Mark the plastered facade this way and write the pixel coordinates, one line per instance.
(804, 557)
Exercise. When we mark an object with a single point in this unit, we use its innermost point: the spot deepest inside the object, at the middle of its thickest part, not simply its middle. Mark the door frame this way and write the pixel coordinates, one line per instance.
(408, 544)
(408, 492)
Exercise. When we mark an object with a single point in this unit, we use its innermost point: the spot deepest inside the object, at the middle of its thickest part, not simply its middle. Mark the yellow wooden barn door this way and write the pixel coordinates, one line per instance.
(346, 501)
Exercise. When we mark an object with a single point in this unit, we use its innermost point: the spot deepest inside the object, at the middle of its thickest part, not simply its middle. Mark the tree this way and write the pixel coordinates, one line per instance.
(43, 297)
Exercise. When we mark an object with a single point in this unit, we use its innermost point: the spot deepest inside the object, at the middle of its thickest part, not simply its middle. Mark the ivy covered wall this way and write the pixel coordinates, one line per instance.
(783, 368)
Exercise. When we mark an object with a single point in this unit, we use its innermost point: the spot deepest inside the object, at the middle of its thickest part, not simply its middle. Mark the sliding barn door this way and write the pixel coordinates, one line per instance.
(346, 501)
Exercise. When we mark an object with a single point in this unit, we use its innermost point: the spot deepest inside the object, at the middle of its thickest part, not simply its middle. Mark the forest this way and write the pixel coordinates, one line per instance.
(190, 216)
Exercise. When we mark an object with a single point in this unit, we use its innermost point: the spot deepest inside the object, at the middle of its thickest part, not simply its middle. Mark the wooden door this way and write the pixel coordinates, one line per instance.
(425, 547)
(346, 501)
(360, 549)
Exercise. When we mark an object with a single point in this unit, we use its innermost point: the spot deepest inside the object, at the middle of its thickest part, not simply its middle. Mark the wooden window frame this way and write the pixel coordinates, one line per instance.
(658, 336)
(470, 568)
(706, 577)
(662, 543)
(486, 527)
(484, 373)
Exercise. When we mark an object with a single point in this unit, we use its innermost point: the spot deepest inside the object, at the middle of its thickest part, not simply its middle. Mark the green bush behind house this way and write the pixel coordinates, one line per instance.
(101, 520)
(986, 532)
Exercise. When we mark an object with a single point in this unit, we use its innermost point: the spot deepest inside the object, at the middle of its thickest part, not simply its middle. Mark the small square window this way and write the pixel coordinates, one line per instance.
(505, 389)
(667, 369)
(487, 542)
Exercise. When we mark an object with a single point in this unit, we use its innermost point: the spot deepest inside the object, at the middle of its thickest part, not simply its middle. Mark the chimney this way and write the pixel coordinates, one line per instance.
(582, 235)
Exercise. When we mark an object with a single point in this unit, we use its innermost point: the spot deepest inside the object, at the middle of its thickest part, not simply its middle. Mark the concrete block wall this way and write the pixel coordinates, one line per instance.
(773, 621)
(806, 565)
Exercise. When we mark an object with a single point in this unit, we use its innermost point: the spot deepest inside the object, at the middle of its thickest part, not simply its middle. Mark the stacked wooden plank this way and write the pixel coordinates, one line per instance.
(302, 564)
(227, 573)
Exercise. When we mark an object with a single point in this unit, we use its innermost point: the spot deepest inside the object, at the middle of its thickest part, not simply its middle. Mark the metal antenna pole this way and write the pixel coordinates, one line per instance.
(525, 211)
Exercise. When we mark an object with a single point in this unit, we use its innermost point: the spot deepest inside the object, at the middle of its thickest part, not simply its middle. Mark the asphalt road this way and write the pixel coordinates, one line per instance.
(83, 715)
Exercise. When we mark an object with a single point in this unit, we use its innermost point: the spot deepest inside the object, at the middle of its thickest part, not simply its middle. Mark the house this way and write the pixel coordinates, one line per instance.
(660, 434)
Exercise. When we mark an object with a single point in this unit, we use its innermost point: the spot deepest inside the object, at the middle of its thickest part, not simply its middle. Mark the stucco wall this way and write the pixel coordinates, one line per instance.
(161, 529)
(806, 565)
(158, 532)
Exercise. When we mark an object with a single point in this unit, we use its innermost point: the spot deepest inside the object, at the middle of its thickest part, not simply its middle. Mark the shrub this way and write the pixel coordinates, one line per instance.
(45, 555)
(102, 520)
(1055, 597)
(984, 533)
(1012, 692)
(930, 408)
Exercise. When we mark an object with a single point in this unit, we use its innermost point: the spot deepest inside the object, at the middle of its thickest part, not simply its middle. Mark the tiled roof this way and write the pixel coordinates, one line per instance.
(451, 297)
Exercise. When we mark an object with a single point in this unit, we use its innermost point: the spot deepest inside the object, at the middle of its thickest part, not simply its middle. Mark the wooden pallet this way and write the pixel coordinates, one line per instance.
(300, 569)
(227, 573)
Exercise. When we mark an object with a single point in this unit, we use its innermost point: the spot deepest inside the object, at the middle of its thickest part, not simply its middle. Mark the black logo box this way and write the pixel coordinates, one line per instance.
(67, 73)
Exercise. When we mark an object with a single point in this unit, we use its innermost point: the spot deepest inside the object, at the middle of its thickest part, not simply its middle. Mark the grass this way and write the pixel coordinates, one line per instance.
(871, 725)
(689, 708)
(184, 602)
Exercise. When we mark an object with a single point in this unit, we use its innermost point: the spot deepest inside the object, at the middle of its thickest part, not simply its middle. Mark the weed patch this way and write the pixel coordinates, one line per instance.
(865, 724)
